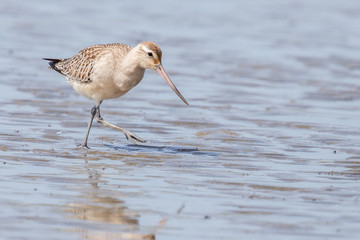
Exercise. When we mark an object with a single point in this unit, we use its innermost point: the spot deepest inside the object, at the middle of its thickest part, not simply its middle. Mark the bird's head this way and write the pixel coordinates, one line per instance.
(150, 55)
(150, 58)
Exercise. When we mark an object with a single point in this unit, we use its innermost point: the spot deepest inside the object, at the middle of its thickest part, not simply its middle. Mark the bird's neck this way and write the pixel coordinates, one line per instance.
(131, 63)
(129, 72)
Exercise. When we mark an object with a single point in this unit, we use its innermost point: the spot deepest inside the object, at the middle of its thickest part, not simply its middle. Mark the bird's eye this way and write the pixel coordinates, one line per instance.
(150, 54)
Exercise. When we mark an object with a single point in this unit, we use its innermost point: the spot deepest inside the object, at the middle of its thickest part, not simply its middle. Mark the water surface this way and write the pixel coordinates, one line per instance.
(267, 149)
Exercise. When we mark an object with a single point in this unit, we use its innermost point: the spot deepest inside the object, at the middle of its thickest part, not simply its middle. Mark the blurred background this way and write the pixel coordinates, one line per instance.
(268, 148)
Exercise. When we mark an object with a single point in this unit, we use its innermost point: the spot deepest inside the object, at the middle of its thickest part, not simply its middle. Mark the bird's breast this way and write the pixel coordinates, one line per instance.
(109, 79)
(126, 80)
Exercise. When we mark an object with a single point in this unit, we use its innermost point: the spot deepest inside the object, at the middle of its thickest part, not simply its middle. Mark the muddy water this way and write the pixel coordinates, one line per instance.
(267, 149)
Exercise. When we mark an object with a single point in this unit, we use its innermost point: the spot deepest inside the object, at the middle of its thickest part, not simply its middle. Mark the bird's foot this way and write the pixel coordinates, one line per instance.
(132, 137)
(83, 145)
(129, 135)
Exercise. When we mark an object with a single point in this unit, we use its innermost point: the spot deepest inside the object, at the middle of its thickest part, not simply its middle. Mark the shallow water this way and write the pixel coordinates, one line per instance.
(267, 149)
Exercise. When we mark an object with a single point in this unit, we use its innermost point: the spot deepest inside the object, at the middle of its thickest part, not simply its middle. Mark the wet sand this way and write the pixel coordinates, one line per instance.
(267, 149)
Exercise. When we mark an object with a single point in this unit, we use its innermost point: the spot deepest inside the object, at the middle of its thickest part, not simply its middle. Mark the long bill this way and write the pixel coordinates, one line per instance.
(160, 70)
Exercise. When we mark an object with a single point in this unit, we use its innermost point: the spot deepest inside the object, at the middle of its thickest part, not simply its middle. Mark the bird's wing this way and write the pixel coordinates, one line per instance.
(79, 68)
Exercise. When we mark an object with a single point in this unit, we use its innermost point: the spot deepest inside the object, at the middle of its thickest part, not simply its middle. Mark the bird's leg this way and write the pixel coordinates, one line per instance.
(129, 135)
(93, 113)
(98, 112)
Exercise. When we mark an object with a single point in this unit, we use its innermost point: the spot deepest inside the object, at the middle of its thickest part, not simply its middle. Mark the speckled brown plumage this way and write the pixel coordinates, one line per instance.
(79, 67)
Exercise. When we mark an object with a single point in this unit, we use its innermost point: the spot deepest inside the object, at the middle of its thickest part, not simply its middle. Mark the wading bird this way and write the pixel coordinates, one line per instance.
(108, 71)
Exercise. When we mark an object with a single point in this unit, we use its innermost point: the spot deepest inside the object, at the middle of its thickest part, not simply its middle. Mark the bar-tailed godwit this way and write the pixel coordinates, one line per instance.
(108, 71)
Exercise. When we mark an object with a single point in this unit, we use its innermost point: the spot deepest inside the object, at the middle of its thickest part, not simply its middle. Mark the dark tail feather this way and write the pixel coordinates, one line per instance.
(53, 62)
(53, 59)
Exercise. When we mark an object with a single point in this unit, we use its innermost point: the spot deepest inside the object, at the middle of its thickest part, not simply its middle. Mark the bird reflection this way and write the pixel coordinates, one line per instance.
(107, 210)
(113, 219)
